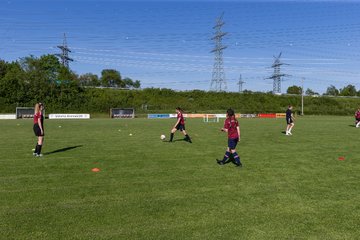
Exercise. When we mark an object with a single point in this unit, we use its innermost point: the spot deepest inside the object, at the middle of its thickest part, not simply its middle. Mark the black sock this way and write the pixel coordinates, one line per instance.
(171, 137)
(39, 151)
(36, 148)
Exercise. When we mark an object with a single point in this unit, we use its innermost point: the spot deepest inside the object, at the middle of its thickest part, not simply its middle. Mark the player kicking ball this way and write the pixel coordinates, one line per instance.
(231, 126)
(180, 125)
(289, 120)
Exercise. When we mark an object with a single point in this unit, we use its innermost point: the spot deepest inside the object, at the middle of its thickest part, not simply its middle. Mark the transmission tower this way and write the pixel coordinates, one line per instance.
(240, 83)
(218, 82)
(277, 75)
(64, 55)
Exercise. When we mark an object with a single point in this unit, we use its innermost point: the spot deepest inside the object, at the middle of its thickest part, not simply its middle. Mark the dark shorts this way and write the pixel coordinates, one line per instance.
(289, 120)
(37, 130)
(232, 142)
(357, 119)
(180, 127)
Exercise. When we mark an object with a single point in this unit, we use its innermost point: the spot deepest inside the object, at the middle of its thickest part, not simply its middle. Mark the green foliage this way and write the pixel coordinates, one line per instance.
(44, 79)
(349, 90)
(294, 90)
(332, 90)
(111, 78)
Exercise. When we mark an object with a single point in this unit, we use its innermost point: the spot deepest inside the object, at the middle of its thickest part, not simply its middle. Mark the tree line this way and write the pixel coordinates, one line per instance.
(349, 90)
(31, 79)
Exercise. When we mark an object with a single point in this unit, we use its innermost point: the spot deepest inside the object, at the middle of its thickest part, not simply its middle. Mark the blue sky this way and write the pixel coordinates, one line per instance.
(168, 43)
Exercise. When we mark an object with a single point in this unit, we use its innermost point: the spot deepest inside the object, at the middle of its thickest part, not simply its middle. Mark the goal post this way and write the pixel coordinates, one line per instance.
(122, 113)
(25, 112)
(211, 118)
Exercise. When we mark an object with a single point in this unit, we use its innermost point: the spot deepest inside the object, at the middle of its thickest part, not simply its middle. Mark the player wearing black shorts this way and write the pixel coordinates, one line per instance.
(38, 128)
(289, 120)
(180, 125)
(231, 126)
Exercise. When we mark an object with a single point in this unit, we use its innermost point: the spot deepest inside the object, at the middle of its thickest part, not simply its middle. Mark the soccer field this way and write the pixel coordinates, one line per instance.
(290, 187)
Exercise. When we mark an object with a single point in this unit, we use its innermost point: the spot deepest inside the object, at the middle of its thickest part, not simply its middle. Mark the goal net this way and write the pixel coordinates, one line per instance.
(25, 112)
(211, 118)
(122, 113)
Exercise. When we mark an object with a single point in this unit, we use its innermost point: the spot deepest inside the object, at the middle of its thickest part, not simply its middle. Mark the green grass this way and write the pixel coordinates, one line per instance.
(289, 188)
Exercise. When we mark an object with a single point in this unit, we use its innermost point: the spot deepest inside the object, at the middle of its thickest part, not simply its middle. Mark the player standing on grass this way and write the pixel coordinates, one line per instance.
(39, 128)
(357, 118)
(289, 120)
(179, 125)
(231, 126)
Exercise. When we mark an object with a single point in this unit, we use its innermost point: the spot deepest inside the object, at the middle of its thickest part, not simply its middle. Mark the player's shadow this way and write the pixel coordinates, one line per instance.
(283, 132)
(352, 126)
(62, 149)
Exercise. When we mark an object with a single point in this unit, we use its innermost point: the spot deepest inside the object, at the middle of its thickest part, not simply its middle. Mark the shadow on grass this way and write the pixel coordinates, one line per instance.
(352, 126)
(283, 132)
(62, 150)
(176, 140)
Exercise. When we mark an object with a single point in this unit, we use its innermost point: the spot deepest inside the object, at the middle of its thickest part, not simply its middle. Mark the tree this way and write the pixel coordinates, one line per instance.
(129, 83)
(12, 85)
(349, 90)
(310, 92)
(89, 79)
(3, 66)
(332, 91)
(294, 90)
(111, 78)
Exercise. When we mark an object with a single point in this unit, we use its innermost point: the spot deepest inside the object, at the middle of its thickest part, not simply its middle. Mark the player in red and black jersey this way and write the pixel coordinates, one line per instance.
(179, 125)
(231, 126)
(38, 128)
(357, 118)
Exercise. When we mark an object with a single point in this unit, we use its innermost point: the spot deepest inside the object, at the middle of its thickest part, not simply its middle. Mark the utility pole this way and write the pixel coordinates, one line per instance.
(302, 96)
(218, 82)
(64, 55)
(277, 75)
(240, 83)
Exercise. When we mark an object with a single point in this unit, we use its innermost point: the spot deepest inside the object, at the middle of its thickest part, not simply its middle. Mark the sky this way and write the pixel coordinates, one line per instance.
(168, 43)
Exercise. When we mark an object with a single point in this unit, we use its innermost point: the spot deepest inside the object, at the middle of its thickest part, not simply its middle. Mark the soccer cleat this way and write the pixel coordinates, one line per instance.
(238, 165)
(34, 154)
(38, 155)
(220, 162)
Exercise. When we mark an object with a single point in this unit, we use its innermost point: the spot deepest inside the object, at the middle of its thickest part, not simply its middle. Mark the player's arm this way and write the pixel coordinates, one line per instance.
(224, 129)
(238, 130)
(292, 117)
(40, 126)
(177, 122)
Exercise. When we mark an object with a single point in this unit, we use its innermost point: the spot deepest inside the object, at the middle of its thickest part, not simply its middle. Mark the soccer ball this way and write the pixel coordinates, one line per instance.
(162, 137)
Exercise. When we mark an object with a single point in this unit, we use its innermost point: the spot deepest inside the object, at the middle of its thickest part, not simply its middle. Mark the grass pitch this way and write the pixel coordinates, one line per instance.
(291, 187)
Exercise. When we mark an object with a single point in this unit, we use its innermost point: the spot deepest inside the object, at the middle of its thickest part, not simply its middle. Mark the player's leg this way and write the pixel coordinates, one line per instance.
(225, 158)
(236, 158)
(291, 127)
(172, 134)
(357, 123)
(287, 129)
(40, 143)
(187, 137)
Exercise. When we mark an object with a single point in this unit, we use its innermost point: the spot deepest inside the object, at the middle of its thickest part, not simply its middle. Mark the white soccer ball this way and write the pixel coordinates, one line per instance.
(162, 137)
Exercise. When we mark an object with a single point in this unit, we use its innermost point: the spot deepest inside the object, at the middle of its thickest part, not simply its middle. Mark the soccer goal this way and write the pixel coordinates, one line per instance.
(210, 118)
(25, 112)
(122, 113)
